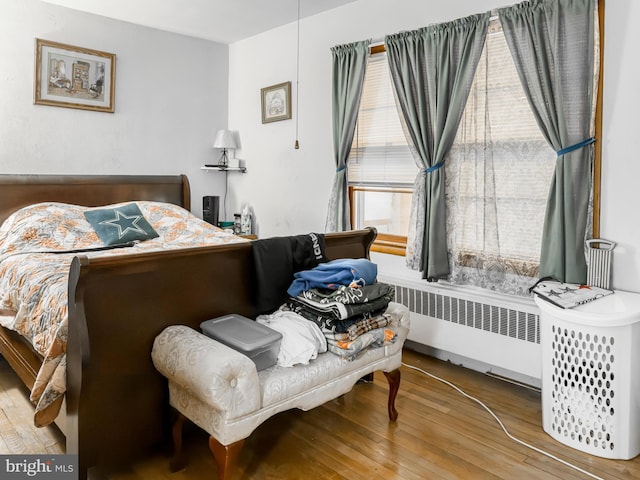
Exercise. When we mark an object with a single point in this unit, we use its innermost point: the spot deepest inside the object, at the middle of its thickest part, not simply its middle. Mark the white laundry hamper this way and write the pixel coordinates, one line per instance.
(591, 374)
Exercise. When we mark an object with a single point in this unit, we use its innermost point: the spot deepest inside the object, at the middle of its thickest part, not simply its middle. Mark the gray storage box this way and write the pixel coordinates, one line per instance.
(257, 341)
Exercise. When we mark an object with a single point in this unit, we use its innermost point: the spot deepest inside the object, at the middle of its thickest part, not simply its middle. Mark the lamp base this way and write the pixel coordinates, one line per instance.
(224, 159)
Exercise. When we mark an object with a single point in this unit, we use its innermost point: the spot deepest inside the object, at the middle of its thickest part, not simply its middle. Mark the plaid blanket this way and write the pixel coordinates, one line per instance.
(351, 350)
(354, 331)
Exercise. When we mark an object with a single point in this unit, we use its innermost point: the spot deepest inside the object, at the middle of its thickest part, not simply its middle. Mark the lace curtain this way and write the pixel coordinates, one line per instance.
(498, 175)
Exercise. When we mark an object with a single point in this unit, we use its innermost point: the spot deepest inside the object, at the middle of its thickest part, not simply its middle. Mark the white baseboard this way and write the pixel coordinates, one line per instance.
(478, 366)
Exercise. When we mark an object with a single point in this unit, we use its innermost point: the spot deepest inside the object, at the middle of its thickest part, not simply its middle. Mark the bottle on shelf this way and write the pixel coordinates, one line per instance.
(237, 229)
(245, 221)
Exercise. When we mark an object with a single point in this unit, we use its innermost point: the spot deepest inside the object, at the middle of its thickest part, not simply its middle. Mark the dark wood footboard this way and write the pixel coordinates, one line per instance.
(116, 400)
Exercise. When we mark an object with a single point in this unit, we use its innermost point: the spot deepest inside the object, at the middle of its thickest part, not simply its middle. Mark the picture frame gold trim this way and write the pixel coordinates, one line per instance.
(276, 102)
(74, 77)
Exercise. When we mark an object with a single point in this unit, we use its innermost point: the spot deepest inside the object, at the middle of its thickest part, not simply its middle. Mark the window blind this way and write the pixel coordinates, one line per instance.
(380, 154)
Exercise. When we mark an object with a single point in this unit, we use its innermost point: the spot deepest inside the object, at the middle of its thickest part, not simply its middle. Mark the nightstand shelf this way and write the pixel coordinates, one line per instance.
(215, 168)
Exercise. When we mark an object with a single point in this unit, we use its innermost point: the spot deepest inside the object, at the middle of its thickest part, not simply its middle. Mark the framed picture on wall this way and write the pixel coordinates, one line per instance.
(74, 77)
(276, 102)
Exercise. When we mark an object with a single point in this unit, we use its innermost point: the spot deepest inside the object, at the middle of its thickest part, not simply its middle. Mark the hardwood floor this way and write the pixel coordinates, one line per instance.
(18, 435)
(439, 434)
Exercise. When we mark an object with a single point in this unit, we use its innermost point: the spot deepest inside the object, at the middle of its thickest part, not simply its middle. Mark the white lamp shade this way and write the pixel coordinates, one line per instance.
(224, 139)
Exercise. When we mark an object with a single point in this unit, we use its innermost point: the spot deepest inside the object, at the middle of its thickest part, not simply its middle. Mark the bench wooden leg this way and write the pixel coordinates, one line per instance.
(394, 385)
(178, 461)
(225, 456)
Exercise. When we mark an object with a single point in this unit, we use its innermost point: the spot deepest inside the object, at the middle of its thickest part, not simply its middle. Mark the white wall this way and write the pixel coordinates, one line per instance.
(171, 97)
(621, 142)
(289, 188)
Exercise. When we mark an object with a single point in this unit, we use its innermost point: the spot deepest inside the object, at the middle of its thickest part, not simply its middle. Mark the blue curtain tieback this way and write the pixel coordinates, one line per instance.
(433, 168)
(581, 144)
(339, 169)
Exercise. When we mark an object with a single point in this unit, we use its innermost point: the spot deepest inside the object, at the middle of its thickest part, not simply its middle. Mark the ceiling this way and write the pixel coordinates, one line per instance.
(224, 21)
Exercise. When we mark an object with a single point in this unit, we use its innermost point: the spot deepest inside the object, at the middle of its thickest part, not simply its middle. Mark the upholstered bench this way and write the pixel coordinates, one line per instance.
(220, 390)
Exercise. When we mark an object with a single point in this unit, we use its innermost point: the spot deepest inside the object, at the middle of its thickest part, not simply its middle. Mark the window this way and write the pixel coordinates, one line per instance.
(381, 166)
(498, 172)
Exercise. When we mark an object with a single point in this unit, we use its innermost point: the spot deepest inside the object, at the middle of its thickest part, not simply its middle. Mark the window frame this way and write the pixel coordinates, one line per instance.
(384, 242)
(597, 146)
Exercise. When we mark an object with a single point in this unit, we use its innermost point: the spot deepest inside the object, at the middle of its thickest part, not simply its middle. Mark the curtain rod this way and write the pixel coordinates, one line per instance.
(380, 41)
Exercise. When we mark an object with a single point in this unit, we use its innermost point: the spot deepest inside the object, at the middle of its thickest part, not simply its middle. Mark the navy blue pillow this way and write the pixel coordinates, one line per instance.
(122, 224)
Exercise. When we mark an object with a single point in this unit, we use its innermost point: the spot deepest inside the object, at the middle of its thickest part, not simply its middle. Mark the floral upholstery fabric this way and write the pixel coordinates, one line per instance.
(230, 377)
(34, 282)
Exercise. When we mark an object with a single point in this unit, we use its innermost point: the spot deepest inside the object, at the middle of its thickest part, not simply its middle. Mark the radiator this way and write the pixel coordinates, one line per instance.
(489, 317)
(491, 334)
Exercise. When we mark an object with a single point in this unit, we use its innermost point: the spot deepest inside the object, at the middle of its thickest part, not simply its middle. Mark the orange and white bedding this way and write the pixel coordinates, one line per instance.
(33, 284)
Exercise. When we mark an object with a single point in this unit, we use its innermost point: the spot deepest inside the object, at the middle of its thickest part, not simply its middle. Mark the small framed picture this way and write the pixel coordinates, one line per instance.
(74, 77)
(276, 102)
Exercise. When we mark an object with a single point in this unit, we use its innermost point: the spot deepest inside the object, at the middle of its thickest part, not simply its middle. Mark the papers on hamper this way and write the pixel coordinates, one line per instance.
(568, 295)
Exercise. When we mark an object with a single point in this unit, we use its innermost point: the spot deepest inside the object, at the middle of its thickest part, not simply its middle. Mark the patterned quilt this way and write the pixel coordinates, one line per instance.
(33, 281)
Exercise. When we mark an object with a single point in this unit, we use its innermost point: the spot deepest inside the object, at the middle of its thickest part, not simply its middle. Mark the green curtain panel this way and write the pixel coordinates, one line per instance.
(349, 68)
(432, 70)
(552, 44)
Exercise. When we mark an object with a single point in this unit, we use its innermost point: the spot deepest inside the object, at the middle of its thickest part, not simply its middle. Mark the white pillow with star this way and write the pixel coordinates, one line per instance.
(122, 224)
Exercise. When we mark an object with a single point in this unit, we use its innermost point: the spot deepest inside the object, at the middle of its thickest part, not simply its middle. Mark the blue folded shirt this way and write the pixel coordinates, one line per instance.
(332, 274)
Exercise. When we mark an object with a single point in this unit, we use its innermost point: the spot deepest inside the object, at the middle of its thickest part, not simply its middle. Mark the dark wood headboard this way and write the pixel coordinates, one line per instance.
(17, 191)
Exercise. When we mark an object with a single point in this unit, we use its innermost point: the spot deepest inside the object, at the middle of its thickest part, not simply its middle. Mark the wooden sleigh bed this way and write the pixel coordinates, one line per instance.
(116, 401)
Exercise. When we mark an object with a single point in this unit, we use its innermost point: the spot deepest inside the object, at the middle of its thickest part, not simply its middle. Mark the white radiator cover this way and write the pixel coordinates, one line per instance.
(481, 330)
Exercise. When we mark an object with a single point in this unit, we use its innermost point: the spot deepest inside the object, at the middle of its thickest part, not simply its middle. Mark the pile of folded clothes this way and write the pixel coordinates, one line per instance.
(344, 301)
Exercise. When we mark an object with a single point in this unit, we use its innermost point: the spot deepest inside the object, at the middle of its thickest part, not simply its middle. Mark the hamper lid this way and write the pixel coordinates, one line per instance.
(620, 308)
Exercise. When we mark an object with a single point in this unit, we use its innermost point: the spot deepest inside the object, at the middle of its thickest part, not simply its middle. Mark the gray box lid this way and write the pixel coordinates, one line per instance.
(242, 333)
